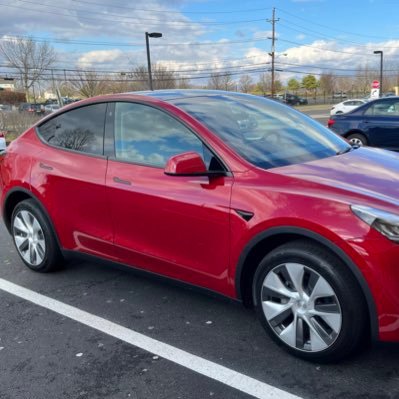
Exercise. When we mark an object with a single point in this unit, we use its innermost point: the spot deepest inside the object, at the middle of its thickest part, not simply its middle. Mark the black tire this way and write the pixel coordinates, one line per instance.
(338, 113)
(354, 329)
(357, 136)
(52, 258)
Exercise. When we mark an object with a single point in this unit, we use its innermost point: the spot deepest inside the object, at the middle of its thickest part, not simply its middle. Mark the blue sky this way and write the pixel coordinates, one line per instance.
(202, 35)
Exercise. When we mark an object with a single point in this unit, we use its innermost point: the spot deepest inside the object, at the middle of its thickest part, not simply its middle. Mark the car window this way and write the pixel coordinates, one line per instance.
(147, 135)
(348, 103)
(264, 132)
(357, 102)
(384, 108)
(80, 129)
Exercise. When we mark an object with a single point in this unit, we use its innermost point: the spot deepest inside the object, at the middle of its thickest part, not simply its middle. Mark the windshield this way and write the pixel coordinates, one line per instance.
(264, 132)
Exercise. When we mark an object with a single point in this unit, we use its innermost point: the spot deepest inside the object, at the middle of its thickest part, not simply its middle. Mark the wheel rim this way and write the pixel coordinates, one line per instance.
(356, 141)
(29, 238)
(301, 307)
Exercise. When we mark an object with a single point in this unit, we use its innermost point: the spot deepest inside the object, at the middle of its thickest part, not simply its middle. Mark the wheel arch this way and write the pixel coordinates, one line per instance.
(272, 238)
(356, 131)
(14, 197)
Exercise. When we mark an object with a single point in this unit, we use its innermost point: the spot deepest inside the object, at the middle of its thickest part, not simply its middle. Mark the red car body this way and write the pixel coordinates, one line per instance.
(208, 232)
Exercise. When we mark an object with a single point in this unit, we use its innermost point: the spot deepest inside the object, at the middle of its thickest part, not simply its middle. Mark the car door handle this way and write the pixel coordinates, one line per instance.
(121, 181)
(44, 166)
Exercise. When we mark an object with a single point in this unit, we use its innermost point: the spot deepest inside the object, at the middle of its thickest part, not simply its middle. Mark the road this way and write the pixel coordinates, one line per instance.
(46, 354)
(319, 112)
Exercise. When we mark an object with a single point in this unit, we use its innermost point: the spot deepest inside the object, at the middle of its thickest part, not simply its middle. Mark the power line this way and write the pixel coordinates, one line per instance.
(329, 27)
(324, 36)
(59, 78)
(116, 44)
(323, 49)
(62, 71)
(170, 11)
(125, 18)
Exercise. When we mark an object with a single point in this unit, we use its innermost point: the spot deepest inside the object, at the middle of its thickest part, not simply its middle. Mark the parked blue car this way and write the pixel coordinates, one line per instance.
(375, 124)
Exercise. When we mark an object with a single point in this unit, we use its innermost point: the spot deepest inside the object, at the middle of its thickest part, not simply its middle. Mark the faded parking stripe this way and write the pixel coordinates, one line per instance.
(195, 363)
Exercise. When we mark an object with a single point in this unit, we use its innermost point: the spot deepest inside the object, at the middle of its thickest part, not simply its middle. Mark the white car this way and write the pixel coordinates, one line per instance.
(2, 141)
(346, 106)
(48, 109)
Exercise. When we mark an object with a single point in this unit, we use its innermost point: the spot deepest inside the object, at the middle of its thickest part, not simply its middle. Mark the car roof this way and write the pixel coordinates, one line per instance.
(167, 95)
(155, 97)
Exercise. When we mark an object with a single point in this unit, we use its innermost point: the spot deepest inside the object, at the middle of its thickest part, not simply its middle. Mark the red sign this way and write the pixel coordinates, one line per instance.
(376, 84)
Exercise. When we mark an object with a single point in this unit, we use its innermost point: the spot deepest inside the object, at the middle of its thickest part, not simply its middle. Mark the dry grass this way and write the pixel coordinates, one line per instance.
(15, 123)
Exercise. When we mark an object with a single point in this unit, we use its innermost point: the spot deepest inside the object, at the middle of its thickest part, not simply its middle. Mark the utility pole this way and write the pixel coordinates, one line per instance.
(273, 52)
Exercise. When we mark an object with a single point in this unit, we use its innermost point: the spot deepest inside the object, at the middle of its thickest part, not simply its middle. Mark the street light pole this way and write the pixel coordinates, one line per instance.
(381, 53)
(147, 43)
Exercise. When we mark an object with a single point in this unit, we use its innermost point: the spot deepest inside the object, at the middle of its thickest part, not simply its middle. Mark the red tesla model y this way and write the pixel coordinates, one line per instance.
(234, 193)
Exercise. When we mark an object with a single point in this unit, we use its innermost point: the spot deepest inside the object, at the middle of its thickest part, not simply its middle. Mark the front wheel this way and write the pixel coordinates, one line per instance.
(309, 302)
(34, 238)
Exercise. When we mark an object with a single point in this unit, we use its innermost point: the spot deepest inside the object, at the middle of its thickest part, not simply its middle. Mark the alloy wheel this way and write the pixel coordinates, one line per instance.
(29, 238)
(301, 307)
(356, 141)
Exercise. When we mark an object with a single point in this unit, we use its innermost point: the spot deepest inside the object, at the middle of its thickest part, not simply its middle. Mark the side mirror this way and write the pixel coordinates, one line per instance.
(186, 164)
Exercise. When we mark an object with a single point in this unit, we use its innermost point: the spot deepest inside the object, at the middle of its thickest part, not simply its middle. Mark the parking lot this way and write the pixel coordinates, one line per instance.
(45, 354)
(319, 112)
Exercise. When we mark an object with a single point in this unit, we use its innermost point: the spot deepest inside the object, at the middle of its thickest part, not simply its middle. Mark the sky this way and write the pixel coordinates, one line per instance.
(201, 36)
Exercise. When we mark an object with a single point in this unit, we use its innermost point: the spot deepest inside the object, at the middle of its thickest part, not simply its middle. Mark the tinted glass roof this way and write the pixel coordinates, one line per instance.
(176, 93)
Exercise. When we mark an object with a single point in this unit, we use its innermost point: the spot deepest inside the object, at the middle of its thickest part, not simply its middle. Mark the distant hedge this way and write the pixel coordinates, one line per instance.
(12, 97)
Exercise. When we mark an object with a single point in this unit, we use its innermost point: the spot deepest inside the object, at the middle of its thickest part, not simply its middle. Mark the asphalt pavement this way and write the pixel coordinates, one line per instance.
(320, 112)
(45, 354)
(49, 354)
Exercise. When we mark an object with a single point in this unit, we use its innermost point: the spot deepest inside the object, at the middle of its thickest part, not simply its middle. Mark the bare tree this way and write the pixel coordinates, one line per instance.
(31, 59)
(327, 82)
(162, 78)
(215, 81)
(265, 83)
(88, 83)
(245, 83)
(364, 77)
(183, 83)
(75, 139)
(221, 81)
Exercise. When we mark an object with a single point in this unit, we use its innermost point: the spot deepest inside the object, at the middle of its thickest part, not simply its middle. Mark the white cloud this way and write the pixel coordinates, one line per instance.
(99, 56)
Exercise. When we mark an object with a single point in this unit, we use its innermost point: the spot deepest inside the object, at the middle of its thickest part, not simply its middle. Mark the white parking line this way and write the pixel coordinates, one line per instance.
(318, 115)
(202, 366)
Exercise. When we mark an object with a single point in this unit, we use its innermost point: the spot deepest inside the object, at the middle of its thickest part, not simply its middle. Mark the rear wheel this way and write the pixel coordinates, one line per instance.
(310, 303)
(34, 238)
(357, 139)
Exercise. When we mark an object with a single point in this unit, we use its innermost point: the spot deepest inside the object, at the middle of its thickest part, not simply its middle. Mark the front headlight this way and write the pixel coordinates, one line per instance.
(385, 222)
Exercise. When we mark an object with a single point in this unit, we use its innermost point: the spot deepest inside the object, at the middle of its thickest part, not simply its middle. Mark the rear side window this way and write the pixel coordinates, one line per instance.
(384, 108)
(80, 129)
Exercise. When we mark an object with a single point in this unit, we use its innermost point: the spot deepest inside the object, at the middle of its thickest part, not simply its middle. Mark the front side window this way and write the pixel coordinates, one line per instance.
(264, 132)
(146, 135)
(80, 129)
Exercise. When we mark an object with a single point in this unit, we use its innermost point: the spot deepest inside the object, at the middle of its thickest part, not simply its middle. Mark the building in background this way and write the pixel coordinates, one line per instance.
(7, 84)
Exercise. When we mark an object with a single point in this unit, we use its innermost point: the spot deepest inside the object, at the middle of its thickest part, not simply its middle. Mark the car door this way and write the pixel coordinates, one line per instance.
(68, 173)
(172, 225)
(381, 122)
